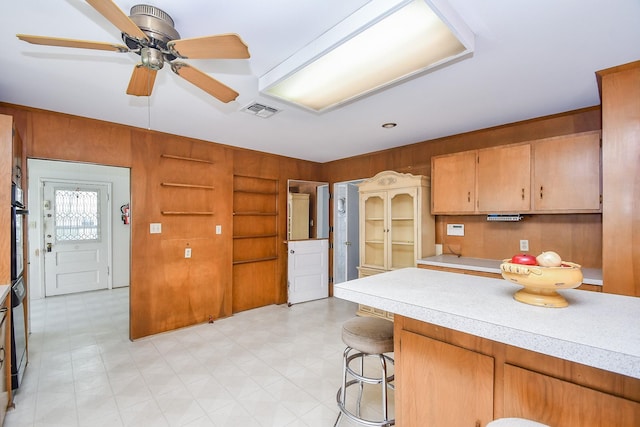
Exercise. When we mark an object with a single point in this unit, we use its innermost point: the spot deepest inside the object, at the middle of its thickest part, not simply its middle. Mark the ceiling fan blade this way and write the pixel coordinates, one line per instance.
(205, 82)
(117, 17)
(82, 44)
(142, 80)
(222, 46)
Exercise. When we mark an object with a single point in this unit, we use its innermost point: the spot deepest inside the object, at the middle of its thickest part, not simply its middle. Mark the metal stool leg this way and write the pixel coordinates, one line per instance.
(360, 386)
(360, 378)
(343, 390)
(383, 362)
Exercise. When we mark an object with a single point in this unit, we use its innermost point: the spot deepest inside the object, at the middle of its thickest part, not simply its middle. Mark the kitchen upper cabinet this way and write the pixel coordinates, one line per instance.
(566, 173)
(552, 175)
(503, 177)
(453, 181)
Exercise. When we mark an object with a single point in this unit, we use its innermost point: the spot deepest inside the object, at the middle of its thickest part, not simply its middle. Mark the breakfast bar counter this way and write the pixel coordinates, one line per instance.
(466, 352)
(596, 329)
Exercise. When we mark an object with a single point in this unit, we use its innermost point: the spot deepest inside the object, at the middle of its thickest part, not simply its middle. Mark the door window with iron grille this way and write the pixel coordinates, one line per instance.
(77, 215)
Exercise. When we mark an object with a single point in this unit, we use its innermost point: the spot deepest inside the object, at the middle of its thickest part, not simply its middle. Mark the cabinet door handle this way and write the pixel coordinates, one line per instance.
(468, 196)
(541, 192)
(523, 194)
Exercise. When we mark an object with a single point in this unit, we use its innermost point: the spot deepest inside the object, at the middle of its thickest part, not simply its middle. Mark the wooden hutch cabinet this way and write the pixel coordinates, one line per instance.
(396, 227)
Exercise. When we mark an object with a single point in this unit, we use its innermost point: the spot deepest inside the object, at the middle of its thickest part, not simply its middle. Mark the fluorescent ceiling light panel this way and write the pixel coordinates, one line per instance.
(376, 46)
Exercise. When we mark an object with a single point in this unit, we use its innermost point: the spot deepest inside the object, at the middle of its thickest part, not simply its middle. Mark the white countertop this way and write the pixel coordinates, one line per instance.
(596, 329)
(592, 276)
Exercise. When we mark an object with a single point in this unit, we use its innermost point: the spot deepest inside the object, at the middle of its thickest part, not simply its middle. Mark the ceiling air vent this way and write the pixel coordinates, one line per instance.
(260, 110)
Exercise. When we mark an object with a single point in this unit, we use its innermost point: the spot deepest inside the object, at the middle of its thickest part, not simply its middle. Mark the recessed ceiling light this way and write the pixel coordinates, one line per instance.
(389, 125)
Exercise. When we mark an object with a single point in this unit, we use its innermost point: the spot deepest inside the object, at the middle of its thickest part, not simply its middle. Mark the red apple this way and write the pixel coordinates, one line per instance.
(525, 259)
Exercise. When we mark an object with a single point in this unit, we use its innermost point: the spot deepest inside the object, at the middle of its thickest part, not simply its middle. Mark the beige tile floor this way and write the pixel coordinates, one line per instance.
(272, 366)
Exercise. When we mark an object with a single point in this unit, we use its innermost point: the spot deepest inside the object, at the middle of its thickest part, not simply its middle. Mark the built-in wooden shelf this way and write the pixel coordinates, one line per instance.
(255, 213)
(185, 213)
(256, 236)
(255, 243)
(175, 184)
(256, 192)
(189, 159)
(248, 261)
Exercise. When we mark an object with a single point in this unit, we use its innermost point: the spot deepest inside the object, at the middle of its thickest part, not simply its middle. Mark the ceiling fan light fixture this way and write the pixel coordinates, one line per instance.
(154, 22)
(152, 58)
(374, 47)
(147, 32)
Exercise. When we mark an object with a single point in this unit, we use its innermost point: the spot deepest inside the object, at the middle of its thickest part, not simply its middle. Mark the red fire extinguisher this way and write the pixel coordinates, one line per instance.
(125, 213)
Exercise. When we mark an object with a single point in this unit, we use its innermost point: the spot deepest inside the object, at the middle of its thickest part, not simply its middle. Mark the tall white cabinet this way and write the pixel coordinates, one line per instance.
(396, 227)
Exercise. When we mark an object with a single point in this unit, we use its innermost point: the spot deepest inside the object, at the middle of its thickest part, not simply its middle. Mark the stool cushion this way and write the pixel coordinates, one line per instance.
(368, 335)
(515, 422)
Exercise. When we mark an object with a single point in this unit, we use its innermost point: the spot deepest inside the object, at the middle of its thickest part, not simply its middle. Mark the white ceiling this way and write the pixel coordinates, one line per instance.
(532, 58)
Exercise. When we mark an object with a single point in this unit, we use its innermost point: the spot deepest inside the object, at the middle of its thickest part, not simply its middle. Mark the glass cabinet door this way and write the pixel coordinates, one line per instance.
(373, 230)
(402, 229)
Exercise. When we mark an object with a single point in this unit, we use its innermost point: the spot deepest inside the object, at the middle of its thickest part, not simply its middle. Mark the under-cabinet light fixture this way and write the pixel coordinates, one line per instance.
(381, 43)
(504, 218)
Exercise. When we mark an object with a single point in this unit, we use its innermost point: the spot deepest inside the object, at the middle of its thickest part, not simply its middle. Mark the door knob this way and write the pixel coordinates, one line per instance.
(48, 247)
(292, 251)
(347, 243)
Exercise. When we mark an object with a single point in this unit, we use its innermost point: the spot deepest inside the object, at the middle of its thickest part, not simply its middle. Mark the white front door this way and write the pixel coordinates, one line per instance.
(308, 270)
(76, 236)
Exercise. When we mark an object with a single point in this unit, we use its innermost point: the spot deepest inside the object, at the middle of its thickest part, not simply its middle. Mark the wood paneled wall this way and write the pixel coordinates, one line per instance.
(494, 240)
(577, 238)
(620, 91)
(168, 291)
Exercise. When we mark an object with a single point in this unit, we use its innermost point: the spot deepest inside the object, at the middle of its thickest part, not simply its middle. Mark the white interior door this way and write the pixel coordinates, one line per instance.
(346, 251)
(308, 270)
(76, 227)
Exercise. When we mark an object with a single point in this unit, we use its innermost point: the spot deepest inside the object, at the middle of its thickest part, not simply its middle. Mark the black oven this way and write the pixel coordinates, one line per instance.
(18, 289)
(17, 232)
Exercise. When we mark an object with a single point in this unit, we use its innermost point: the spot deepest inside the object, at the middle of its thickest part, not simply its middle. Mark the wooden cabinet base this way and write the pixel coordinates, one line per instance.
(461, 379)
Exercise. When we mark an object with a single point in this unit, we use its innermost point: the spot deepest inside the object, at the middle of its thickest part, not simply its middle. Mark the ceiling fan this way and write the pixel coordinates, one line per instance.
(150, 33)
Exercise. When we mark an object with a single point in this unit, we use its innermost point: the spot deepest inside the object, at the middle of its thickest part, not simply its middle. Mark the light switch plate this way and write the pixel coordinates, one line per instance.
(455, 229)
(218, 229)
(155, 228)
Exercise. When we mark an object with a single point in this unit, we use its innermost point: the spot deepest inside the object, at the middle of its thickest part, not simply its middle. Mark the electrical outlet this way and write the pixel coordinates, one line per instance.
(524, 245)
(187, 253)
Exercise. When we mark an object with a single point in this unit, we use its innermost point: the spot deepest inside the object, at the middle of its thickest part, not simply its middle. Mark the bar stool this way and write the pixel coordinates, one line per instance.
(515, 422)
(366, 337)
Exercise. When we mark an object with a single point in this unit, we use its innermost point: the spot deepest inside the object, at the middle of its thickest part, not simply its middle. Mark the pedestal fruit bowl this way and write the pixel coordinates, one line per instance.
(541, 283)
